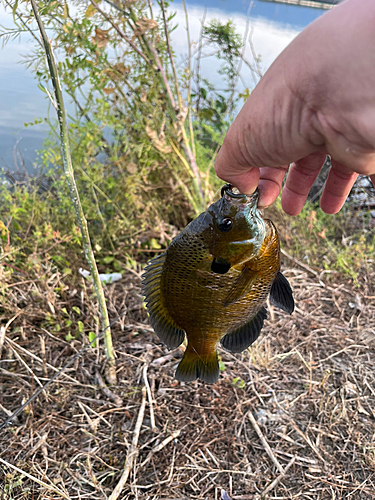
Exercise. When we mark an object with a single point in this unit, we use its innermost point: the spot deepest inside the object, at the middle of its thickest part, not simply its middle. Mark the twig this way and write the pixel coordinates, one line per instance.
(24, 24)
(27, 367)
(199, 57)
(178, 115)
(2, 338)
(69, 172)
(163, 76)
(106, 391)
(4, 329)
(276, 481)
(132, 452)
(300, 264)
(160, 446)
(39, 444)
(149, 397)
(189, 85)
(306, 438)
(171, 56)
(266, 446)
(167, 440)
(255, 57)
(8, 413)
(42, 483)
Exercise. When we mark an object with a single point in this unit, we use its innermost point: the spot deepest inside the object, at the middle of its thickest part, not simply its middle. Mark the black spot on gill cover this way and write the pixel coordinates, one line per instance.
(220, 267)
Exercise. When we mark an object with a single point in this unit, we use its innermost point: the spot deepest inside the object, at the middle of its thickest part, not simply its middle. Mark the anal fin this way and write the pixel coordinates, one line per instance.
(281, 294)
(241, 338)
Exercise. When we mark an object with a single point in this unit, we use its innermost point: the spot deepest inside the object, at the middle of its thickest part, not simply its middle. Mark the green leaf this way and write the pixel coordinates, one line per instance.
(155, 244)
(14, 9)
(91, 338)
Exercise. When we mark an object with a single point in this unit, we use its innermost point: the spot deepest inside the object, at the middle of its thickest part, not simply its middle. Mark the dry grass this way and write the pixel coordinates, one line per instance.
(300, 425)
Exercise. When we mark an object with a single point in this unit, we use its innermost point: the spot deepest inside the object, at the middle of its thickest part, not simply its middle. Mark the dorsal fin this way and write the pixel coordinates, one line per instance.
(281, 294)
(241, 338)
(162, 323)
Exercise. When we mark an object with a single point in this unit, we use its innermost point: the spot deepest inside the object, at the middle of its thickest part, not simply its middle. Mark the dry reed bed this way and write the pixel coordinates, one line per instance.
(293, 417)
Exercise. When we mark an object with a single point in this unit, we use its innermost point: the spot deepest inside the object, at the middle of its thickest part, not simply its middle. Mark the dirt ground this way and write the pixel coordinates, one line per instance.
(292, 417)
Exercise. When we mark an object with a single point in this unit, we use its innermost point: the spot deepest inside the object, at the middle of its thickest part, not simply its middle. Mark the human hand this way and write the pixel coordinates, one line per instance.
(317, 98)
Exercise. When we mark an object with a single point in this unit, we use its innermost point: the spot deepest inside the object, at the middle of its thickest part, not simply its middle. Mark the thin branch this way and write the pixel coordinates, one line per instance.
(266, 446)
(2, 337)
(150, 7)
(171, 56)
(132, 452)
(192, 142)
(199, 58)
(149, 397)
(69, 172)
(276, 481)
(255, 57)
(162, 74)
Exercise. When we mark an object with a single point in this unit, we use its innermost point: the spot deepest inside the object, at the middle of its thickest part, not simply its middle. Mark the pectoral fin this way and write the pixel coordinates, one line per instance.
(281, 294)
(162, 323)
(241, 338)
(241, 286)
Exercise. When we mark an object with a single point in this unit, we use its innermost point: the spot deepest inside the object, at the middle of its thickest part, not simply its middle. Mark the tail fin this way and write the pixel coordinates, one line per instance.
(193, 366)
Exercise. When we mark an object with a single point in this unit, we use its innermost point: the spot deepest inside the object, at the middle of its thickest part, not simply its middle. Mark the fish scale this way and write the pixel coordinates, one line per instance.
(213, 281)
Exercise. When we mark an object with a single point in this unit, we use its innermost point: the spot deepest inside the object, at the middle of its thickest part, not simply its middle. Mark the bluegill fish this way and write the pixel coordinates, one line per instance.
(213, 281)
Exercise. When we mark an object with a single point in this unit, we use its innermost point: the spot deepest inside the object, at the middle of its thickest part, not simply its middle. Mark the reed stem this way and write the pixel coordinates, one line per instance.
(69, 172)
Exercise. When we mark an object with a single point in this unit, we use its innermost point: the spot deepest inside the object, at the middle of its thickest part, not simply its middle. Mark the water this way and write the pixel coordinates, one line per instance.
(21, 101)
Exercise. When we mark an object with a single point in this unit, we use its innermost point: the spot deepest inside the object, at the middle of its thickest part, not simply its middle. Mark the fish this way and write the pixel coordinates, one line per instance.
(213, 281)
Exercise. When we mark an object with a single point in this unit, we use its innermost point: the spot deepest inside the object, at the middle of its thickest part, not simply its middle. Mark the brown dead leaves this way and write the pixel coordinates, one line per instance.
(101, 38)
(158, 141)
(144, 25)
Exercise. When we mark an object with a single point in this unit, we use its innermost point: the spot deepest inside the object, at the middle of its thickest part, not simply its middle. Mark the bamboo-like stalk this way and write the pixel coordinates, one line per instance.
(68, 169)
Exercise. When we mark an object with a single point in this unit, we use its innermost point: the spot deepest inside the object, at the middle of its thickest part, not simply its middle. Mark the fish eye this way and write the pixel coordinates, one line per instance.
(225, 225)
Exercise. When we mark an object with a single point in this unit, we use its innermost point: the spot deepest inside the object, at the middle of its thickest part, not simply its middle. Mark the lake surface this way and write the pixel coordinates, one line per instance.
(274, 25)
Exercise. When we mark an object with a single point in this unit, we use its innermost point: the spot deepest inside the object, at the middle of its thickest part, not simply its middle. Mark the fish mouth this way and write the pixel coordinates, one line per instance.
(248, 200)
